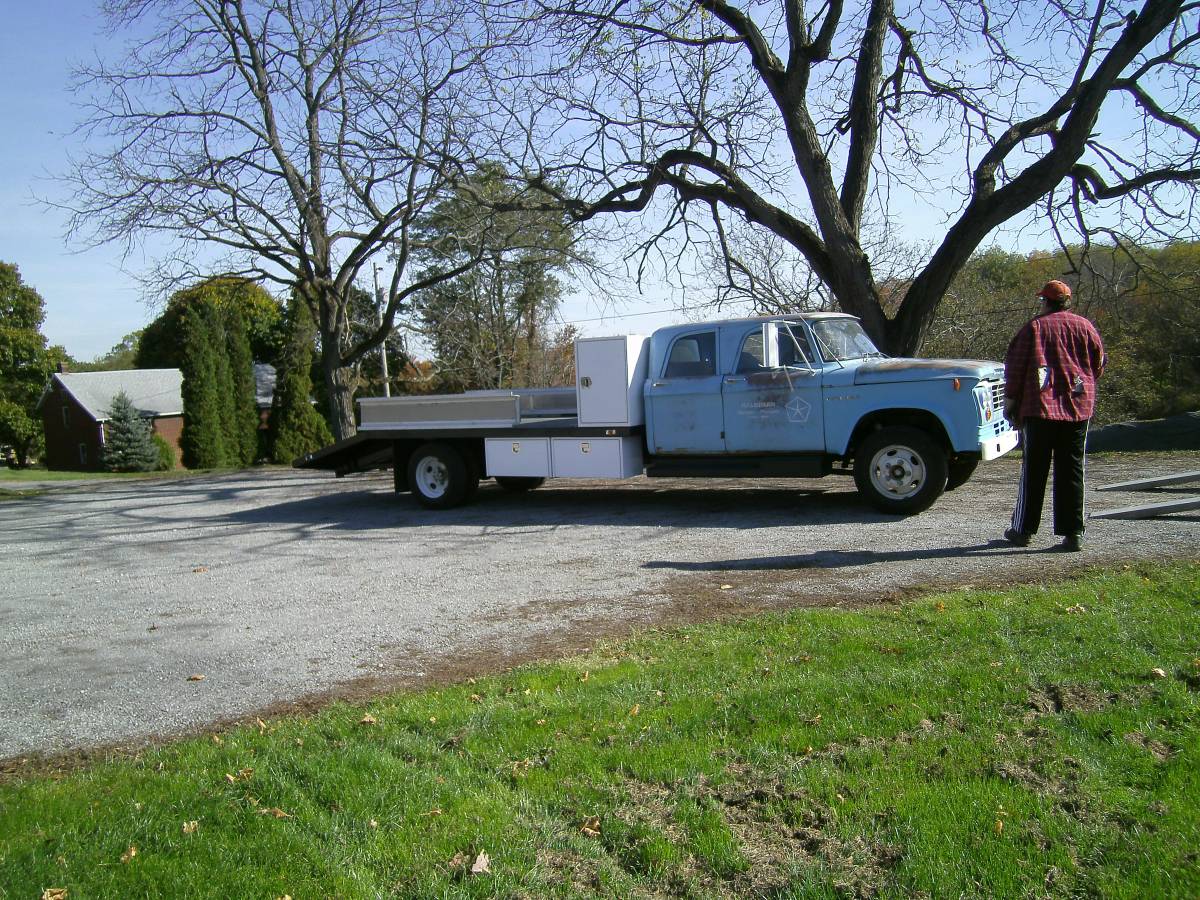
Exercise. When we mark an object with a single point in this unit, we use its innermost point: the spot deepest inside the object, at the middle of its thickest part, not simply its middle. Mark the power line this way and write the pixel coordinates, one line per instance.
(652, 312)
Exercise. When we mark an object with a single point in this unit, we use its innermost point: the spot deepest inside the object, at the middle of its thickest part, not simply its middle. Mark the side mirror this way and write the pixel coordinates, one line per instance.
(770, 343)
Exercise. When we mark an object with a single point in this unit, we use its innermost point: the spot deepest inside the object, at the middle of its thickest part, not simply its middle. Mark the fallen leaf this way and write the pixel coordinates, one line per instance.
(433, 812)
(196, 677)
(1158, 673)
(637, 708)
(54, 894)
(999, 826)
(475, 698)
(541, 721)
(368, 719)
(481, 865)
(1077, 608)
(190, 827)
(217, 739)
(586, 675)
(458, 860)
(840, 798)
(814, 720)
(727, 587)
(262, 726)
(433, 719)
(591, 826)
(129, 854)
(808, 750)
(373, 824)
(245, 774)
(527, 692)
(276, 812)
(199, 570)
(939, 606)
(230, 778)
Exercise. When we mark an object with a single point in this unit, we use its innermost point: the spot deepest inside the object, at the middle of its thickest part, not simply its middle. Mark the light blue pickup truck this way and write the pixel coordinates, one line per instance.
(792, 396)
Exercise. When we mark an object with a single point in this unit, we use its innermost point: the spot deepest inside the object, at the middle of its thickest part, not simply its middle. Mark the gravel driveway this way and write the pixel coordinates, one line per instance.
(280, 585)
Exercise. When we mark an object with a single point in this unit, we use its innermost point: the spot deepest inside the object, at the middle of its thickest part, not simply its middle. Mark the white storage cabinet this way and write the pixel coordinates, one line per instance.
(603, 457)
(522, 457)
(609, 375)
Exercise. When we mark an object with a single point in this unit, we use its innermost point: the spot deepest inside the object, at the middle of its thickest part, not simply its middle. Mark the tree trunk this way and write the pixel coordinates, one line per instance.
(338, 386)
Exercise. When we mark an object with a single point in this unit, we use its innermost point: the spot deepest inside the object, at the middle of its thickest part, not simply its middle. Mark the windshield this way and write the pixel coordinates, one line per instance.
(843, 339)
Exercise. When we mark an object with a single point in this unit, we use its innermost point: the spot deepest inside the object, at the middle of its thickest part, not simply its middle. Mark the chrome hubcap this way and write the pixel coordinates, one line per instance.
(432, 478)
(897, 471)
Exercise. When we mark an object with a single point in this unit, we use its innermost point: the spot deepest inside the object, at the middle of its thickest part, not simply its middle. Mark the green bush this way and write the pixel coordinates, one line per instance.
(166, 453)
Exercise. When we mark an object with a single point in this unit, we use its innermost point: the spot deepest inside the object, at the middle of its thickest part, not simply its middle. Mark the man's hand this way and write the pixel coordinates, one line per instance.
(1012, 407)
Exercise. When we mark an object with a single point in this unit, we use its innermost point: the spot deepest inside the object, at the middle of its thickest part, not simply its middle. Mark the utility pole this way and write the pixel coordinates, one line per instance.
(387, 388)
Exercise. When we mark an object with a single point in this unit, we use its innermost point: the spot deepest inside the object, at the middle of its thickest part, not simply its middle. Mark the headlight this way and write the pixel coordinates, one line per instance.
(983, 400)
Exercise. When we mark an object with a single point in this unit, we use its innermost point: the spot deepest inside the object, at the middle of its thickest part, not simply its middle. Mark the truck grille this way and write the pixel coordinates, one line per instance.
(998, 395)
(998, 423)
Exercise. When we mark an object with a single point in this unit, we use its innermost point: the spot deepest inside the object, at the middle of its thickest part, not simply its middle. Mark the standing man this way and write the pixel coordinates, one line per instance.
(1050, 372)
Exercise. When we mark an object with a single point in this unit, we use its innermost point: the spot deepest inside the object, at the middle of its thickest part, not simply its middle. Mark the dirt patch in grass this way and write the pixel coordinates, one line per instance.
(1157, 749)
(777, 830)
(1052, 699)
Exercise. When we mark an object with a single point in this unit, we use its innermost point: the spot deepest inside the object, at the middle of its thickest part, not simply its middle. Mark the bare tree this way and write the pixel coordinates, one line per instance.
(303, 138)
(816, 123)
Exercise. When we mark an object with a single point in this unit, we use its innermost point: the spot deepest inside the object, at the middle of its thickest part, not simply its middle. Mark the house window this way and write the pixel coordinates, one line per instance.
(83, 454)
(66, 411)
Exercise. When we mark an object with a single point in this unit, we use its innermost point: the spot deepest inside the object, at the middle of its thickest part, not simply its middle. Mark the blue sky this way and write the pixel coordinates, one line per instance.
(93, 297)
(90, 302)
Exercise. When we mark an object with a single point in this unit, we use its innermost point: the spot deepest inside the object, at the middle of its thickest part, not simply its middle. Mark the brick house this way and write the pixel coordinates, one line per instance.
(75, 405)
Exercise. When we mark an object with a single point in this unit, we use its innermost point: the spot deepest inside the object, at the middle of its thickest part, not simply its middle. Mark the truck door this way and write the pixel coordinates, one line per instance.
(685, 397)
(773, 409)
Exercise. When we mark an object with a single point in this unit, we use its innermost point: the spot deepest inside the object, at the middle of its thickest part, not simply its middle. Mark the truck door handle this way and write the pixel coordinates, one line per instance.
(658, 384)
(735, 380)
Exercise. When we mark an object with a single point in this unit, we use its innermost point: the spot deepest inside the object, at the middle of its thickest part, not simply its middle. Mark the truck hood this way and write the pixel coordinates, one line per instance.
(882, 371)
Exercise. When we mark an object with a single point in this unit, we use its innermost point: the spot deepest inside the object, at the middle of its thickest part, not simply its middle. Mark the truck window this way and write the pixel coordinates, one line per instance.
(751, 357)
(693, 356)
(843, 339)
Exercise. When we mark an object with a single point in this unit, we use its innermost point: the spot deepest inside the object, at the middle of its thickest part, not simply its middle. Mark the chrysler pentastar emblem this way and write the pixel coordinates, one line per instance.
(798, 410)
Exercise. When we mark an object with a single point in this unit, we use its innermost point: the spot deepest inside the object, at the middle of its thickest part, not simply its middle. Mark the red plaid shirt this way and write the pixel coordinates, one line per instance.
(1052, 366)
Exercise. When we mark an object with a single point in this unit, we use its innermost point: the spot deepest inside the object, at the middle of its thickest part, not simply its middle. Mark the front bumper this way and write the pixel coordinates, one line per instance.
(995, 447)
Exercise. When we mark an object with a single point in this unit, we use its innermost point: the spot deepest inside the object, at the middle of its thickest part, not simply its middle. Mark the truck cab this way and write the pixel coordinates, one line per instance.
(806, 395)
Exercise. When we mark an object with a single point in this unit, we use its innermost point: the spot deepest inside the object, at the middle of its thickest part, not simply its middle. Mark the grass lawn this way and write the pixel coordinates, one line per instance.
(17, 476)
(1039, 741)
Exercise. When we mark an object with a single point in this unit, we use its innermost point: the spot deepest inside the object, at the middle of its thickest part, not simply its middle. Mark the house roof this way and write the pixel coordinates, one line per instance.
(153, 392)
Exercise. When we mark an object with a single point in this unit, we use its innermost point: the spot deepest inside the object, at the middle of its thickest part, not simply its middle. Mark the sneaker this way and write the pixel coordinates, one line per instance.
(1020, 538)
(1072, 543)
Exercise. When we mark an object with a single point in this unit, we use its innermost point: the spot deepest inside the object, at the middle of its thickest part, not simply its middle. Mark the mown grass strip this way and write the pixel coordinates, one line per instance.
(1042, 740)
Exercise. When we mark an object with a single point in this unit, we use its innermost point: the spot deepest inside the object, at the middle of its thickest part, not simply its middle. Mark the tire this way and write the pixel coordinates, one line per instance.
(439, 476)
(519, 484)
(900, 470)
(960, 472)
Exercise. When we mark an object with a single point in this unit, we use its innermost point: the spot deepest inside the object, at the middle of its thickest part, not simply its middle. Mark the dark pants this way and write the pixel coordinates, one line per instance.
(1043, 440)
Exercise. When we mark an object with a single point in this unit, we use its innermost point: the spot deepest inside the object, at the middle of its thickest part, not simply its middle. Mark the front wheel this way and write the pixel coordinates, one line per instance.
(900, 470)
(440, 477)
(961, 471)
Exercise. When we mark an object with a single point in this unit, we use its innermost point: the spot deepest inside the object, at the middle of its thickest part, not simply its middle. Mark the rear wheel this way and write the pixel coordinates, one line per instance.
(440, 477)
(900, 470)
(517, 483)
